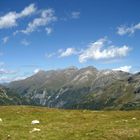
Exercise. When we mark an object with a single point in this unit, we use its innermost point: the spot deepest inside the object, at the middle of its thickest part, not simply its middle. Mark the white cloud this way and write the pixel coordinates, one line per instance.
(49, 55)
(28, 10)
(5, 71)
(7, 79)
(25, 42)
(47, 17)
(10, 19)
(5, 39)
(122, 30)
(124, 68)
(67, 52)
(102, 49)
(48, 30)
(63, 52)
(7, 75)
(97, 51)
(75, 14)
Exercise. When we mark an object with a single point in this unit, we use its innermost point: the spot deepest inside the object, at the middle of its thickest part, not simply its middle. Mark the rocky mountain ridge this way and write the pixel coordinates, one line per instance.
(85, 88)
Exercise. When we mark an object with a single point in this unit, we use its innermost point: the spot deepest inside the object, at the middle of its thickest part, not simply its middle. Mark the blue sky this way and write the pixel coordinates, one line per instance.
(54, 34)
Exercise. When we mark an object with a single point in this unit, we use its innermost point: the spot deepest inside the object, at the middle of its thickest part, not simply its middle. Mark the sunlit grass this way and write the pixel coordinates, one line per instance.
(58, 124)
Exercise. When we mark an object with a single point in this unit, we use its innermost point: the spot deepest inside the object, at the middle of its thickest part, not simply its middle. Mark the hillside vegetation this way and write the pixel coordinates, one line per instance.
(60, 124)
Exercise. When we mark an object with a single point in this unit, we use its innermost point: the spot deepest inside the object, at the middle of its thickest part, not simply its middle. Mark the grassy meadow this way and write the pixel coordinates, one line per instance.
(58, 124)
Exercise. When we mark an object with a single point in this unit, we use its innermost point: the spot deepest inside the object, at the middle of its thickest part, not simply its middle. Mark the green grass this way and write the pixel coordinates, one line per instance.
(58, 124)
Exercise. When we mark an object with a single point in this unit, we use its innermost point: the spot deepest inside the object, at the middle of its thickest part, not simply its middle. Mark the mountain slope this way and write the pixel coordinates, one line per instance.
(80, 88)
(8, 97)
(121, 94)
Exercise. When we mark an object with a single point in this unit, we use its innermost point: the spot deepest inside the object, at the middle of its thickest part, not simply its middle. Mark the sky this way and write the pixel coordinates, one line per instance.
(55, 34)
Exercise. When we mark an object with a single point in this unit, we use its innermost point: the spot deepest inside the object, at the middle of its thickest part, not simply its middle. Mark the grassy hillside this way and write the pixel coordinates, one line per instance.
(68, 124)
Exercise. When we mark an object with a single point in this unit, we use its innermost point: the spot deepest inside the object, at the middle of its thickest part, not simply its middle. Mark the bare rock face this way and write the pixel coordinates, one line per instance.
(3, 93)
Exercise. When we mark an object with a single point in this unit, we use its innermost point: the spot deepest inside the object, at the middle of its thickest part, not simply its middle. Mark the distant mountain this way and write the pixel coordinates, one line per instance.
(86, 88)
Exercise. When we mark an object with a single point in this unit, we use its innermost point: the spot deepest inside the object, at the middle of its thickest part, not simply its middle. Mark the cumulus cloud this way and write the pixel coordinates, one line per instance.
(101, 49)
(28, 10)
(46, 17)
(75, 14)
(5, 39)
(98, 50)
(10, 19)
(67, 52)
(123, 68)
(122, 30)
(63, 53)
(25, 42)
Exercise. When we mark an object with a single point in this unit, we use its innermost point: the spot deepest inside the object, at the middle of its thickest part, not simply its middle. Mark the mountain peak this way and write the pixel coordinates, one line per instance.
(40, 72)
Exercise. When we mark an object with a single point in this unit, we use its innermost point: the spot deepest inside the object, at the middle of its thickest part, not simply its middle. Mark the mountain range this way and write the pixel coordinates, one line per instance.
(73, 88)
